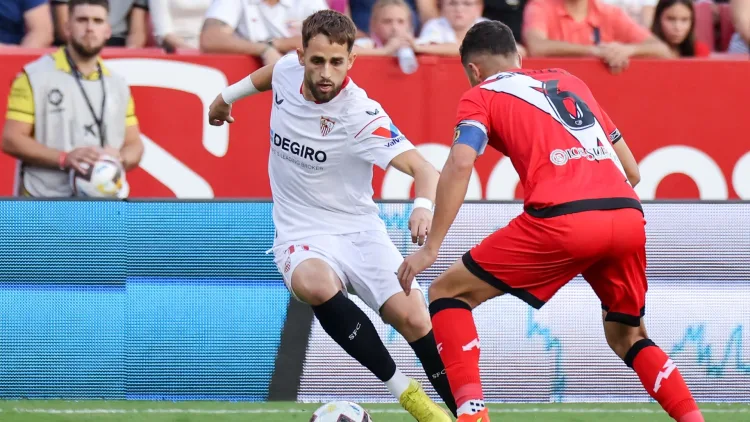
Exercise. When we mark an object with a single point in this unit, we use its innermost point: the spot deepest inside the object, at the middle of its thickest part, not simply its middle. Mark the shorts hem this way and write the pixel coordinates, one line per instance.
(622, 318)
(495, 282)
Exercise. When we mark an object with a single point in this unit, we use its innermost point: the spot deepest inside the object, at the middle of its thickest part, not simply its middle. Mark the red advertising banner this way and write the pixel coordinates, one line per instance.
(686, 122)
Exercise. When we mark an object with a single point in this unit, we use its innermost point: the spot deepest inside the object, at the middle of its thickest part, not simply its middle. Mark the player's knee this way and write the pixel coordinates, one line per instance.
(412, 324)
(621, 342)
(440, 289)
(314, 282)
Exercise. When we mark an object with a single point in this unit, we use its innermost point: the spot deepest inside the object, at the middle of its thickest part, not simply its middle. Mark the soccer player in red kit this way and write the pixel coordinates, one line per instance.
(581, 216)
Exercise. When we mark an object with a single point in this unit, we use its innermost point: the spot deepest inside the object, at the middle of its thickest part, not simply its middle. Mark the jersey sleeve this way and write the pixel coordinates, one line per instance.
(286, 71)
(472, 122)
(130, 118)
(613, 134)
(21, 100)
(376, 139)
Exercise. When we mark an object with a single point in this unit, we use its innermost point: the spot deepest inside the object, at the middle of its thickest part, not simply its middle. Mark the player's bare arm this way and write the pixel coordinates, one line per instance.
(628, 162)
(451, 191)
(220, 110)
(425, 183)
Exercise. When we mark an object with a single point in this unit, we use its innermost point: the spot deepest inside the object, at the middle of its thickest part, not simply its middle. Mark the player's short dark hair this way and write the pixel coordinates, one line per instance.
(337, 27)
(72, 4)
(488, 37)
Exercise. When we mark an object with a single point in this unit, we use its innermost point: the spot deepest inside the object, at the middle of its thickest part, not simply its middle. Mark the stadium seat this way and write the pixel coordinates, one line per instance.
(704, 23)
(726, 26)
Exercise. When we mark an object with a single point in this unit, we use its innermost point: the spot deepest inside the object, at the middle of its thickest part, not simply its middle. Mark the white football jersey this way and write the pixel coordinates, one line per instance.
(322, 157)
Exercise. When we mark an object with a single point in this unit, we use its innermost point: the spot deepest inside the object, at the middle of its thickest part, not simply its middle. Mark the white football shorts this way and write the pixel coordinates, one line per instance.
(366, 262)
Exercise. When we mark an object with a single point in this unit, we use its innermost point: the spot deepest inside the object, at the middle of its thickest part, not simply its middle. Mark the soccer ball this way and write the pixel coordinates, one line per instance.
(105, 179)
(340, 411)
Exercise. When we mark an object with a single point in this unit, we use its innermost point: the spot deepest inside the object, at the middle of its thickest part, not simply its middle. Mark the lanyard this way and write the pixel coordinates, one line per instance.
(78, 76)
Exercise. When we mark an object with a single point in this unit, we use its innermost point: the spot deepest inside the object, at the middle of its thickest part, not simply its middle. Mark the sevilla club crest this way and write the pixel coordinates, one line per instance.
(326, 125)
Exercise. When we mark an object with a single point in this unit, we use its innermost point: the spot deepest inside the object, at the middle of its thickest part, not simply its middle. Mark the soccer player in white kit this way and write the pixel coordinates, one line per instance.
(326, 135)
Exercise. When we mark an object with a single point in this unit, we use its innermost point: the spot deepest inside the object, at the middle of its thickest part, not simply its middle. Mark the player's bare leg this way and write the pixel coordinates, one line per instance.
(453, 295)
(317, 284)
(409, 316)
(658, 374)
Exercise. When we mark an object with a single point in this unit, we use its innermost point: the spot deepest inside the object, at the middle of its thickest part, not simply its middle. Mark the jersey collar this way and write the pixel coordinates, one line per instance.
(515, 69)
(61, 63)
(343, 86)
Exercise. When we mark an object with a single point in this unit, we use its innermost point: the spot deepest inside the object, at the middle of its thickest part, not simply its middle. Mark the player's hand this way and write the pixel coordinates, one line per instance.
(420, 223)
(219, 112)
(413, 265)
(82, 159)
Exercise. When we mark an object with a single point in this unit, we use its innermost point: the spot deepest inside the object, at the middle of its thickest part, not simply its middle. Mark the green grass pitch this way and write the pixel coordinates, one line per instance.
(136, 411)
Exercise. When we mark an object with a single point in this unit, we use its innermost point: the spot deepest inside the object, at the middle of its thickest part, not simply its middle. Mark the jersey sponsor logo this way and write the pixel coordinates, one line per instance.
(560, 157)
(278, 101)
(373, 113)
(300, 150)
(391, 133)
(326, 125)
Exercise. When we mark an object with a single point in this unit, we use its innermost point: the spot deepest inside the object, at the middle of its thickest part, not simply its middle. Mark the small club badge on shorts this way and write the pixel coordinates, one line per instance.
(326, 125)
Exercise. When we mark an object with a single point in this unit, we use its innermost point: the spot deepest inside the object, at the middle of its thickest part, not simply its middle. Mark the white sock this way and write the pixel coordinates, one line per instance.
(397, 384)
(471, 407)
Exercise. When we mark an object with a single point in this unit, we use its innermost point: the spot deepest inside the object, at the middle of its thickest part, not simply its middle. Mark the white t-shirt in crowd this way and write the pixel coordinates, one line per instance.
(634, 8)
(179, 17)
(322, 157)
(439, 31)
(255, 20)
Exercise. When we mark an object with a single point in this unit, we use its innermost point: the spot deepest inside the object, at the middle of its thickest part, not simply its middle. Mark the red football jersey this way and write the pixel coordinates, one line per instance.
(557, 137)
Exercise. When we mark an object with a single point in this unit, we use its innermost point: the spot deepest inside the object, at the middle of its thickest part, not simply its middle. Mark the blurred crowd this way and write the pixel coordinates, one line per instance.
(613, 30)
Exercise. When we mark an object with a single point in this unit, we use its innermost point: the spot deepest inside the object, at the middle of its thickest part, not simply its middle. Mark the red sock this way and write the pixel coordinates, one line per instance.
(662, 380)
(458, 345)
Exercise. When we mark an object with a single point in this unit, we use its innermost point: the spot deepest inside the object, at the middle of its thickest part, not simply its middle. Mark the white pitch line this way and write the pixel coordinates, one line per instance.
(372, 411)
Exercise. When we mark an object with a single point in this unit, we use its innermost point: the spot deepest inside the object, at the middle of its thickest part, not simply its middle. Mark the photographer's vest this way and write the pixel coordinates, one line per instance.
(64, 119)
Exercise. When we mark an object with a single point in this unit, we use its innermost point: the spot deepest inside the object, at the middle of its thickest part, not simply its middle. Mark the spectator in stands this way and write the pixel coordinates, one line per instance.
(128, 19)
(740, 42)
(26, 23)
(422, 11)
(641, 11)
(341, 6)
(177, 23)
(674, 23)
(390, 29)
(57, 118)
(509, 12)
(587, 28)
(262, 28)
(443, 35)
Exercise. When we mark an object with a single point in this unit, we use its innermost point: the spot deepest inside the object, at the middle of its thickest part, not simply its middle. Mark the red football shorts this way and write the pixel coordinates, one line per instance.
(532, 258)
